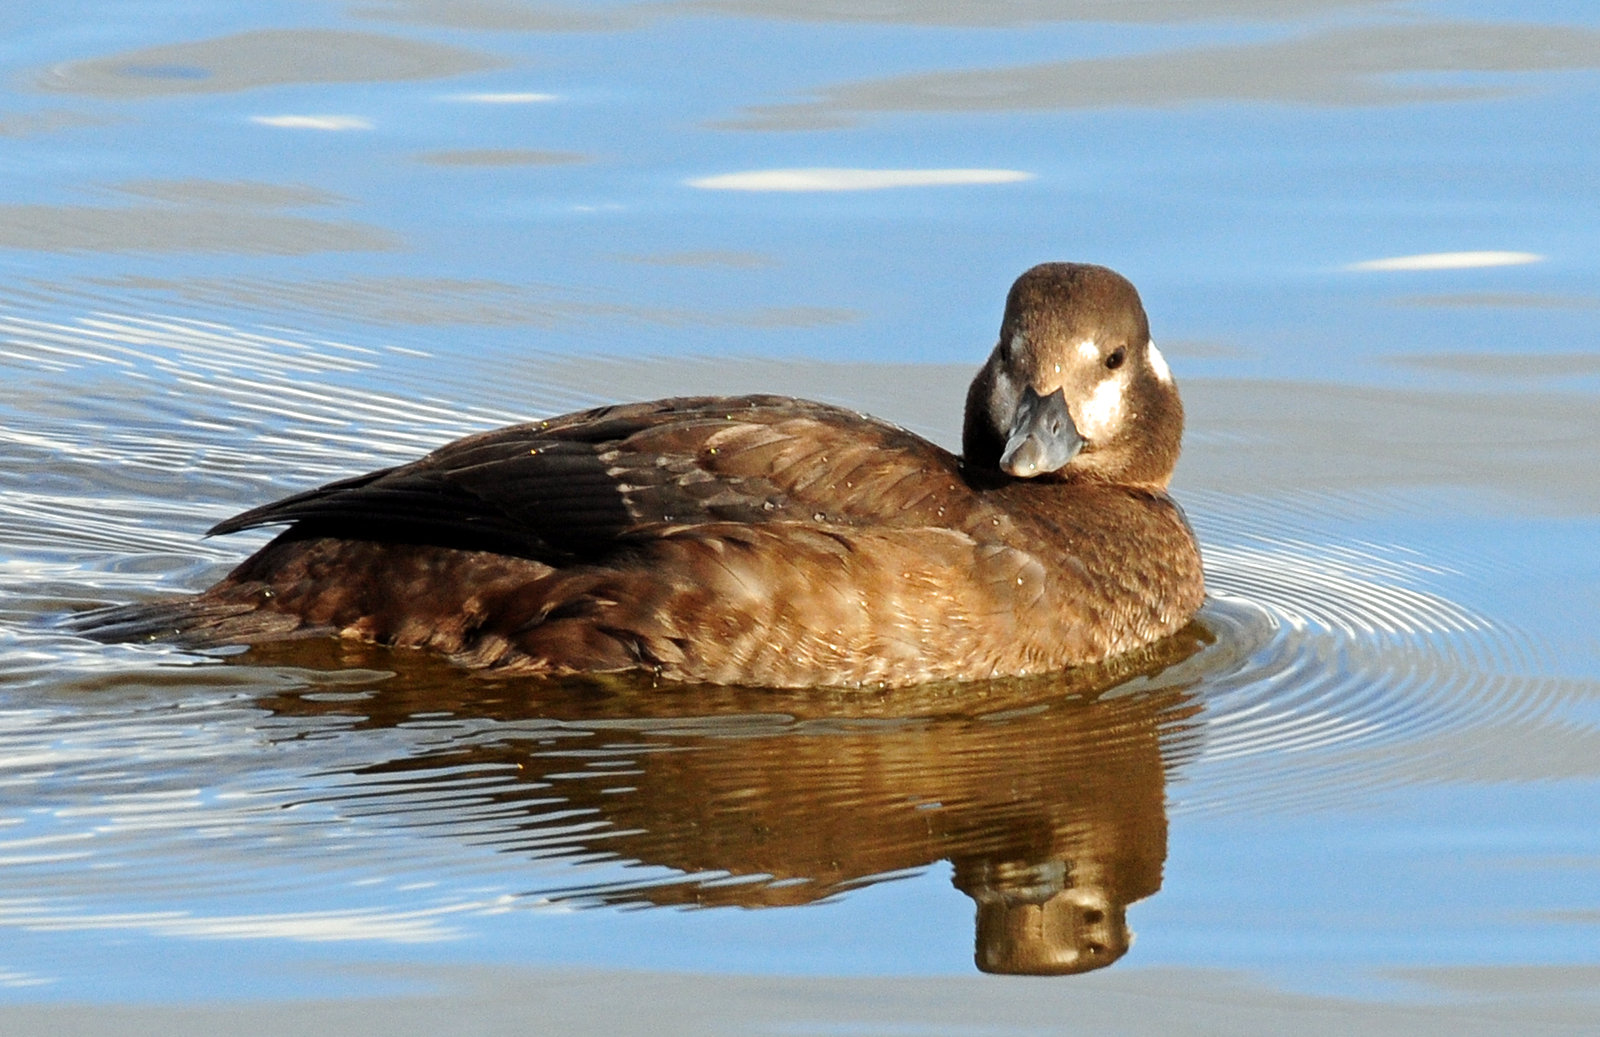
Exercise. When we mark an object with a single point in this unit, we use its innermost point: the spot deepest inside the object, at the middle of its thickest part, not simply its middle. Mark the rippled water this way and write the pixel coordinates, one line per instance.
(246, 257)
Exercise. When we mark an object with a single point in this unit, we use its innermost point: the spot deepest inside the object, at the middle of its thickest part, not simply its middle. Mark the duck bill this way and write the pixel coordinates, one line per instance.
(1042, 437)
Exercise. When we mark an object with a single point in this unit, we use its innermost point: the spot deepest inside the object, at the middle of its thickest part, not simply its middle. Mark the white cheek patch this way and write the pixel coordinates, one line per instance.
(1101, 414)
(1088, 350)
(1158, 364)
(1018, 344)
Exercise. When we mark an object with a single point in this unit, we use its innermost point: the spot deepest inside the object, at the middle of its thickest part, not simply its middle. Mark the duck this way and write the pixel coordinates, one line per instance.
(761, 540)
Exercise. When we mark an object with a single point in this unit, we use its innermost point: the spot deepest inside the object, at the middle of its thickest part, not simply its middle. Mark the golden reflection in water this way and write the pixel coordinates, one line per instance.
(1046, 795)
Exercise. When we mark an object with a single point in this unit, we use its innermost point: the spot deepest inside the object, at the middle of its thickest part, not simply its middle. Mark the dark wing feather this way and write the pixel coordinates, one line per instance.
(575, 486)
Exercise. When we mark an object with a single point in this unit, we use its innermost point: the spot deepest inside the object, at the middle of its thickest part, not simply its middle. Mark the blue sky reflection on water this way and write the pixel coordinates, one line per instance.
(456, 193)
(1234, 211)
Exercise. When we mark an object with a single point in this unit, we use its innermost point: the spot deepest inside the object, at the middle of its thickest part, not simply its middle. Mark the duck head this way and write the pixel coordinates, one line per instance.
(1074, 389)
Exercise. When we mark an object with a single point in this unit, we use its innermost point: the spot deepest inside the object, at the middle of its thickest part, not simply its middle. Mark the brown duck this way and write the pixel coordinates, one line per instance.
(762, 540)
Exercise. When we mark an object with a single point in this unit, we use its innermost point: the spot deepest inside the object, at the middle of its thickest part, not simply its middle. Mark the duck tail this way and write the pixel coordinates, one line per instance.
(193, 622)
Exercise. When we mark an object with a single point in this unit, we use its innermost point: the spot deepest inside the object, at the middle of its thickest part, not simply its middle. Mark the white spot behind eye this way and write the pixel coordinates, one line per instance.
(1101, 413)
(1018, 343)
(1158, 363)
(1088, 350)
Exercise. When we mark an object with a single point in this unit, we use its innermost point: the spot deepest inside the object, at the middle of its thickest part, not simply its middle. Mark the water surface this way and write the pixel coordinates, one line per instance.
(248, 249)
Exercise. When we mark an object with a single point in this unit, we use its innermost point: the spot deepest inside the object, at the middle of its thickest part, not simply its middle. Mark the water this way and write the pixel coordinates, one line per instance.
(250, 248)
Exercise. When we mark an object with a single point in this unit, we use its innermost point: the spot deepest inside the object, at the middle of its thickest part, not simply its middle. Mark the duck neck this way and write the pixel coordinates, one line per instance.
(981, 443)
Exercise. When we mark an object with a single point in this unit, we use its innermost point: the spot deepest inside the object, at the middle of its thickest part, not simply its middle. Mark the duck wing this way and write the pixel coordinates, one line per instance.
(578, 486)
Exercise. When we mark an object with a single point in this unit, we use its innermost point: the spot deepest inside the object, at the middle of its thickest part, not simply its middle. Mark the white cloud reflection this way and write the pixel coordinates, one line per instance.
(15, 978)
(504, 98)
(426, 925)
(1448, 261)
(838, 179)
(312, 122)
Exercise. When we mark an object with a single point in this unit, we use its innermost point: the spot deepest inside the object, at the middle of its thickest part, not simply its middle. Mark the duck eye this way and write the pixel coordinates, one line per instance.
(1115, 360)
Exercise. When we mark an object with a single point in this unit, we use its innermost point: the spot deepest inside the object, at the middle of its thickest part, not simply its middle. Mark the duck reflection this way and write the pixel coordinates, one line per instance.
(1046, 795)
